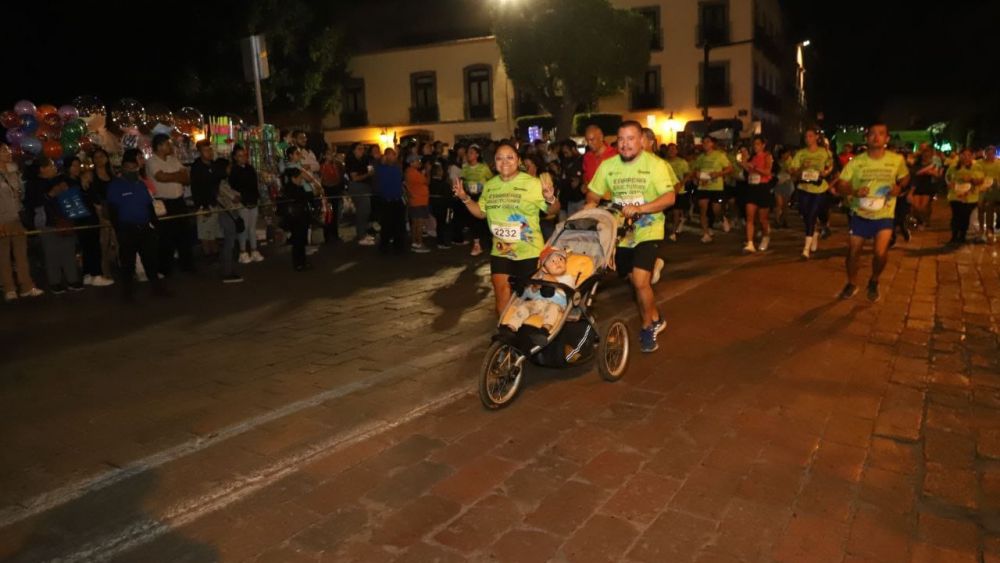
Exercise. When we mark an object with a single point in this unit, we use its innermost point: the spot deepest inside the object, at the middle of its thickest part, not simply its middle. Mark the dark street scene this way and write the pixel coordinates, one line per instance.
(570, 281)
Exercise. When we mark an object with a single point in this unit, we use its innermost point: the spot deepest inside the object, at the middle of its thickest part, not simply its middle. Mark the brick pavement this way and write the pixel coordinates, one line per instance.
(775, 425)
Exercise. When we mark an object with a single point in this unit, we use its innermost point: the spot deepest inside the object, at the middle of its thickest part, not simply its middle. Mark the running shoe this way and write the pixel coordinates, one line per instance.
(420, 249)
(749, 248)
(367, 241)
(476, 250)
(10, 296)
(764, 243)
(245, 258)
(825, 232)
(873, 294)
(725, 225)
(233, 278)
(850, 290)
(673, 237)
(647, 340)
(657, 327)
(706, 238)
(815, 245)
(75, 286)
(256, 256)
(101, 281)
(33, 292)
(58, 289)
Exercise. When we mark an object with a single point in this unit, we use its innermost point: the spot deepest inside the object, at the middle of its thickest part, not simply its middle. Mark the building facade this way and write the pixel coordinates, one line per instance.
(459, 89)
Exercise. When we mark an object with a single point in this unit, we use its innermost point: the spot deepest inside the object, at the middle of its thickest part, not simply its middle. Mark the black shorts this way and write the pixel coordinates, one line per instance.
(643, 257)
(731, 191)
(523, 269)
(759, 195)
(682, 202)
(924, 188)
(715, 196)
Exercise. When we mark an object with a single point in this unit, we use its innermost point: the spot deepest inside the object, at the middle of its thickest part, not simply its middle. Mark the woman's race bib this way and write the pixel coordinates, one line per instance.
(810, 175)
(871, 203)
(963, 188)
(705, 177)
(507, 231)
(629, 200)
(754, 179)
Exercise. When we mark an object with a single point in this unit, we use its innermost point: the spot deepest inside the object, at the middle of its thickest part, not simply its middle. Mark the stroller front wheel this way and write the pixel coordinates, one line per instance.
(612, 356)
(500, 376)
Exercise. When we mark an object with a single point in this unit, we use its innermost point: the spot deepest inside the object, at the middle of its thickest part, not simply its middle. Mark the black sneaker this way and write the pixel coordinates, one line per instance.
(850, 290)
(75, 287)
(233, 278)
(873, 293)
(57, 289)
(906, 234)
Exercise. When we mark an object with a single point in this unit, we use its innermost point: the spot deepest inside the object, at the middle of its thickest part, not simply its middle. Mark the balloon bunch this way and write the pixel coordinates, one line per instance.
(45, 129)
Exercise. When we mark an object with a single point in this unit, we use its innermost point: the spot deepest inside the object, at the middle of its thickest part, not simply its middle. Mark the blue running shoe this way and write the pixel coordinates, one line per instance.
(647, 339)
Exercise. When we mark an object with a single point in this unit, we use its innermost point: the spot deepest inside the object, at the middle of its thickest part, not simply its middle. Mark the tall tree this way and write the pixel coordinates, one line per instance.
(570, 52)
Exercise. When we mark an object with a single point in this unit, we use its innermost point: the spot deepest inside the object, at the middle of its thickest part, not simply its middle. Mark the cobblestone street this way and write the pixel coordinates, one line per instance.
(331, 417)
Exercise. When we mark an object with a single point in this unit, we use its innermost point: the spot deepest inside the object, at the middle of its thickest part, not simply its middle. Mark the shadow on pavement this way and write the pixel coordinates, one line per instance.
(454, 299)
(67, 531)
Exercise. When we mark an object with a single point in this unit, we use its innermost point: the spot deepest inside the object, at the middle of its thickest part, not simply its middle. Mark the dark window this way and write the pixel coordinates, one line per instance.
(526, 104)
(478, 93)
(652, 14)
(713, 22)
(423, 95)
(714, 87)
(354, 112)
(647, 93)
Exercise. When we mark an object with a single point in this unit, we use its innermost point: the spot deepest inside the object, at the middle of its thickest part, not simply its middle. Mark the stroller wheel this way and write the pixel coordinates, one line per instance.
(612, 356)
(500, 376)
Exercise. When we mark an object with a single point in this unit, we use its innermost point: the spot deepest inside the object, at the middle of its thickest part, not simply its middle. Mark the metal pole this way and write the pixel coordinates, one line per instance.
(254, 41)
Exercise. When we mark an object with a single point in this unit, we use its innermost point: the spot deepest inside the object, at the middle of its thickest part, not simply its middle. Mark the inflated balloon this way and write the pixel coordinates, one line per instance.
(28, 123)
(68, 113)
(74, 130)
(15, 136)
(52, 149)
(70, 147)
(45, 110)
(17, 152)
(188, 120)
(157, 114)
(24, 107)
(31, 145)
(52, 121)
(43, 135)
(128, 113)
(87, 106)
(9, 120)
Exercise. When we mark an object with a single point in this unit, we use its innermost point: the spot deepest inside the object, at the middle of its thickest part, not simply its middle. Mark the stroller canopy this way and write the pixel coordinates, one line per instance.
(593, 232)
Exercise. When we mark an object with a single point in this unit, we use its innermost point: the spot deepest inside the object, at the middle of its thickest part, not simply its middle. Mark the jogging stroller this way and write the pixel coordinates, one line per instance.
(589, 238)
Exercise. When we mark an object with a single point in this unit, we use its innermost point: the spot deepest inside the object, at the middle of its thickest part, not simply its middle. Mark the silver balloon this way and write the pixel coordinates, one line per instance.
(187, 120)
(89, 106)
(128, 114)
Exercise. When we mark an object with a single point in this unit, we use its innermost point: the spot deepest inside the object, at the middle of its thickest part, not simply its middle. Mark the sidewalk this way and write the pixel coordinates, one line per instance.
(775, 424)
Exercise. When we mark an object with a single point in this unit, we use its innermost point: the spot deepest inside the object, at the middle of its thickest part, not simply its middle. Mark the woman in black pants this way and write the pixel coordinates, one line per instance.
(297, 215)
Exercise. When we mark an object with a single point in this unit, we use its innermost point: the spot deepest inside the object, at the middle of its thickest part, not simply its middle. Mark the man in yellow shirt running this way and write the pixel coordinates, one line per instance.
(871, 182)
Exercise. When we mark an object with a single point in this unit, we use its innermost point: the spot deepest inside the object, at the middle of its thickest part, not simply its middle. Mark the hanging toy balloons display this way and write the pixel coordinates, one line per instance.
(127, 114)
(189, 120)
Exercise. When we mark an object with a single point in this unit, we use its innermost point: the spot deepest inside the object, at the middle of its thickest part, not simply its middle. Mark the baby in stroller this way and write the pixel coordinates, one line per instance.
(548, 303)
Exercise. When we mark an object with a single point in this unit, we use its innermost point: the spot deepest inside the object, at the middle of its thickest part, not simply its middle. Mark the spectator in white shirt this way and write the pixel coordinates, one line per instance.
(170, 176)
(309, 160)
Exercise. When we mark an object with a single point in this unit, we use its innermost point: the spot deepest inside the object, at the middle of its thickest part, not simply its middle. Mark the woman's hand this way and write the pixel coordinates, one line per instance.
(548, 190)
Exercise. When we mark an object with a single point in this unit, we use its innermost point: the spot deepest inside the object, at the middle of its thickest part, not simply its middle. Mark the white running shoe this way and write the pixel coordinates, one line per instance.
(33, 292)
(244, 258)
(140, 276)
(764, 242)
(367, 241)
(725, 225)
(421, 249)
(476, 250)
(706, 238)
(657, 270)
(748, 248)
(88, 280)
(310, 250)
(256, 256)
(673, 237)
(101, 281)
(10, 296)
(815, 244)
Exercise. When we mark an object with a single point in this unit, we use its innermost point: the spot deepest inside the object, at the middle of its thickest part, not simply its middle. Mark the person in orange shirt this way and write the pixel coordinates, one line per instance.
(418, 195)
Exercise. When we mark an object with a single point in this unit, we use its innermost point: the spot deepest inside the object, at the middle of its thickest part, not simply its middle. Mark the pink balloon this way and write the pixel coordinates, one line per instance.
(24, 107)
(68, 113)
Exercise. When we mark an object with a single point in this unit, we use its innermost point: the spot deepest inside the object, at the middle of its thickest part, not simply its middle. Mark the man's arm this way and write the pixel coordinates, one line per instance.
(659, 204)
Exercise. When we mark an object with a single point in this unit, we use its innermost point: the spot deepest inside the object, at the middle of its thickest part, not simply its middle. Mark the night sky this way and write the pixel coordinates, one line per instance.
(883, 58)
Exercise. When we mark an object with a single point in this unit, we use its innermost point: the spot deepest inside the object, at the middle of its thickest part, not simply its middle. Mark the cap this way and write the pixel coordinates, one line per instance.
(202, 144)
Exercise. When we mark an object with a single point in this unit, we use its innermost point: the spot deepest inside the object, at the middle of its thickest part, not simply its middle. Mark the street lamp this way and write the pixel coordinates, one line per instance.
(801, 70)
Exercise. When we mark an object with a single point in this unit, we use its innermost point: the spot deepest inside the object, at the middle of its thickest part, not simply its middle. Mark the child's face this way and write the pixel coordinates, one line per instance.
(555, 265)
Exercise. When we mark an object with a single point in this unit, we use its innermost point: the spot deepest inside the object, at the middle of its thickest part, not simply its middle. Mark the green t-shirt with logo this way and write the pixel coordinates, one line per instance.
(812, 164)
(879, 176)
(715, 161)
(681, 170)
(475, 177)
(513, 211)
(638, 182)
(960, 183)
